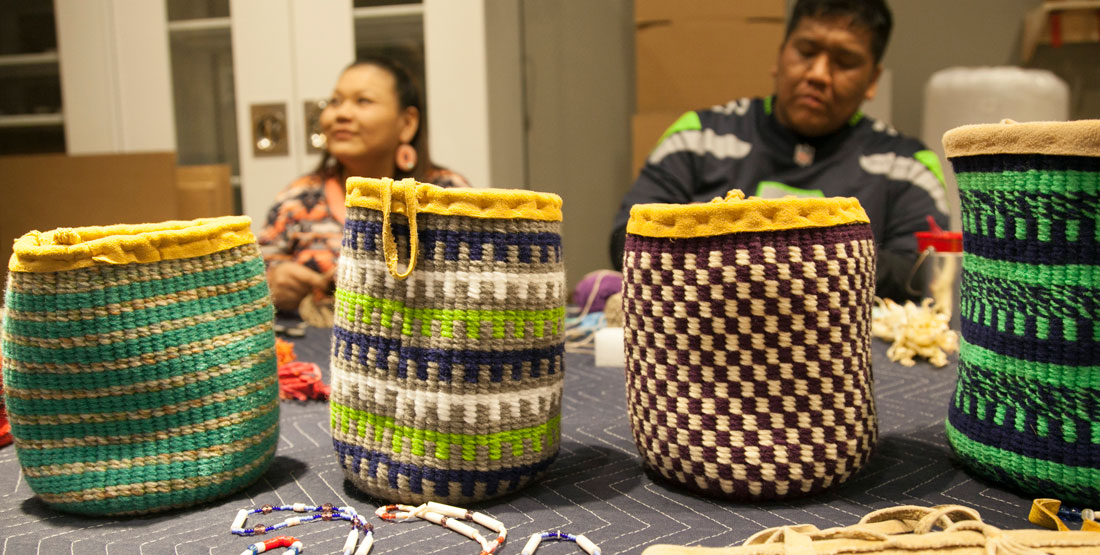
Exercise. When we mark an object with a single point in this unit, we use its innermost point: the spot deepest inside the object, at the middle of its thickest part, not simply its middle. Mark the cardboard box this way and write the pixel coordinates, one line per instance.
(690, 63)
(204, 191)
(650, 10)
(49, 191)
(646, 129)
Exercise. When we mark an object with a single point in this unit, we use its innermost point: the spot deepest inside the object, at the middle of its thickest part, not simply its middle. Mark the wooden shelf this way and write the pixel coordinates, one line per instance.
(32, 120)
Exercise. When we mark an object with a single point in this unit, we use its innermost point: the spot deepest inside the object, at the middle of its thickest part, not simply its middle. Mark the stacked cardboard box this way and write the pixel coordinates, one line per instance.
(692, 54)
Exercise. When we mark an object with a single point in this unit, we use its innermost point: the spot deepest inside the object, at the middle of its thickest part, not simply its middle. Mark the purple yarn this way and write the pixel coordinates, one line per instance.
(598, 285)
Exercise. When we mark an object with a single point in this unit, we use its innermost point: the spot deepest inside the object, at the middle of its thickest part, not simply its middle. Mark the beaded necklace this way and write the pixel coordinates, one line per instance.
(322, 512)
(584, 543)
(448, 517)
(293, 545)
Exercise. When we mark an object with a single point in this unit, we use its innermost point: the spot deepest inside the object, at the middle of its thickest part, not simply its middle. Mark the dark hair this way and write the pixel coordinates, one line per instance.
(874, 15)
(408, 94)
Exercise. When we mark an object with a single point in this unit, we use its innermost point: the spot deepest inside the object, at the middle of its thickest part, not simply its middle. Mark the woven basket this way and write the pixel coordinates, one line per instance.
(1027, 404)
(748, 343)
(139, 364)
(447, 369)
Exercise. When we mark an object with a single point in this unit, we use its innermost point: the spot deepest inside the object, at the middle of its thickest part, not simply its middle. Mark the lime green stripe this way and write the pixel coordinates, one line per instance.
(52, 329)
(348, 303)
(930, 161)
(167, 444)
(1044, 275)
(48, 302)
(186, 417)
(1031, 182)
(687, 122)
(1027, 469)
(138, 474)
(138, 346)
(353, 421)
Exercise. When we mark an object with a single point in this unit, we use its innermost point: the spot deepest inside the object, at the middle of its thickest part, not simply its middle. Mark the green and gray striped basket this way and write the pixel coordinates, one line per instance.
(139, 364)
(1026, 410)
(447, 368)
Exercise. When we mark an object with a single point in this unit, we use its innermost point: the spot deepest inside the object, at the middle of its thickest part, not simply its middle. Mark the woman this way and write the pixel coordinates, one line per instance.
(374, 126)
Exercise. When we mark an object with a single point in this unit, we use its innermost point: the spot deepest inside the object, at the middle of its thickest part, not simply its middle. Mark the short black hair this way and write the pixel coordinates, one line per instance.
(871, 14)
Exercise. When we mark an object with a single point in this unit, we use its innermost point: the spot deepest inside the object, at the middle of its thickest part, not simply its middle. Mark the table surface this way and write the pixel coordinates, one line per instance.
(597, 486)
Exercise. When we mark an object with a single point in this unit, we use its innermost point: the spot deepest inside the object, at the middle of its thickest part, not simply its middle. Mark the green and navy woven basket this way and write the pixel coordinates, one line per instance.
(447, 367)
(748, 337)
(1026, 410)
(139, 364)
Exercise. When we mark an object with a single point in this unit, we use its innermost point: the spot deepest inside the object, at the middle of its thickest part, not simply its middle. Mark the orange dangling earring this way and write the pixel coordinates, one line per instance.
(406, 157)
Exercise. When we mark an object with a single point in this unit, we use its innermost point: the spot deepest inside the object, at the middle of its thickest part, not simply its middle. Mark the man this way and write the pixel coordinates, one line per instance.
(808, 139)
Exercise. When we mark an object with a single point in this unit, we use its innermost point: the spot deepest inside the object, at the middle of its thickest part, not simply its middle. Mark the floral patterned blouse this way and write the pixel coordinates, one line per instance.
(303, 227)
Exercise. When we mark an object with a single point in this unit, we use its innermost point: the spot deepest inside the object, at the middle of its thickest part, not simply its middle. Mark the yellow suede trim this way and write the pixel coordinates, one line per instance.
(1053, 138)
(736, 214)
(475, 203)
(81, 247)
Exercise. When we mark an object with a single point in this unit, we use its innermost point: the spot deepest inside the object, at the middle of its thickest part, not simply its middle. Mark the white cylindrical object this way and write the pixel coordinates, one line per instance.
(532, 544)
(587, 545)
(609, 348)
(447, 510)
(966, 95)
(350, 543)
(364, 547)
(299, 507)
(238, 522)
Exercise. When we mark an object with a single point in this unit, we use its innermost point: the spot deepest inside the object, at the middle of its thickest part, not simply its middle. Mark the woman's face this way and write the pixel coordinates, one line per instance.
(363, 120)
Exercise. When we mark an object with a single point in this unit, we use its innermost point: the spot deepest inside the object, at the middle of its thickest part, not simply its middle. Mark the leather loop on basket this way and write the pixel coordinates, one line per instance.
(389, 246)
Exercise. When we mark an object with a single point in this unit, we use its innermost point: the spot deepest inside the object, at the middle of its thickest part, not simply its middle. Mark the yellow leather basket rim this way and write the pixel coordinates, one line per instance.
(721, 217)
(1054, 138)
(82, 247)
(476, 203)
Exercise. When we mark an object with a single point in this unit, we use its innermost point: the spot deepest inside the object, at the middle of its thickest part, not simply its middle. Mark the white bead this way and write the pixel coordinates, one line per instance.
(587, 545)
(365, 546)
(490, 523)
(350, 544)
(1088, 514)
(294, 521)
(238, 522)
(448, 510)
(532, 544)
(299, 507)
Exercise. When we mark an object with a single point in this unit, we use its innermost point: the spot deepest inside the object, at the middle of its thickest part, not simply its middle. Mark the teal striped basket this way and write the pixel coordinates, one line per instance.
(1026, 410)
(139, 364)
(447, 367)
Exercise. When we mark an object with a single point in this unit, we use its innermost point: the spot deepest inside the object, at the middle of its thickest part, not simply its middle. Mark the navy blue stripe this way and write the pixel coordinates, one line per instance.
(1033, 251)
(367, 234)
(1006, 298)
(1075, 407)
(1033, 485)
(446, 359)
(1054, 350)
(1026, 445)
(515, 477)
(1024, 162)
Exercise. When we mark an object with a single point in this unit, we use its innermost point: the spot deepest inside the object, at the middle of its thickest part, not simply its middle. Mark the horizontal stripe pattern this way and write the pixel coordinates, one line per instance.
(458, 366)
(373, 470)
(141, 387)
(355, 307)
(1024, 411)
(443, 362)
(490, 289)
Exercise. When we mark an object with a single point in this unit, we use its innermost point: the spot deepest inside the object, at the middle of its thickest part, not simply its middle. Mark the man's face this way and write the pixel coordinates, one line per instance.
(824, 73)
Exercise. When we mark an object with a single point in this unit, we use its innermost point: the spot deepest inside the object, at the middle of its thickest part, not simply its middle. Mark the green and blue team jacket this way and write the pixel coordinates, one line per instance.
(741, 145)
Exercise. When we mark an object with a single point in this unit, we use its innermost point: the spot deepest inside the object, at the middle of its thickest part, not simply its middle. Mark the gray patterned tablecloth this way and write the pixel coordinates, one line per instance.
(597, 485)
